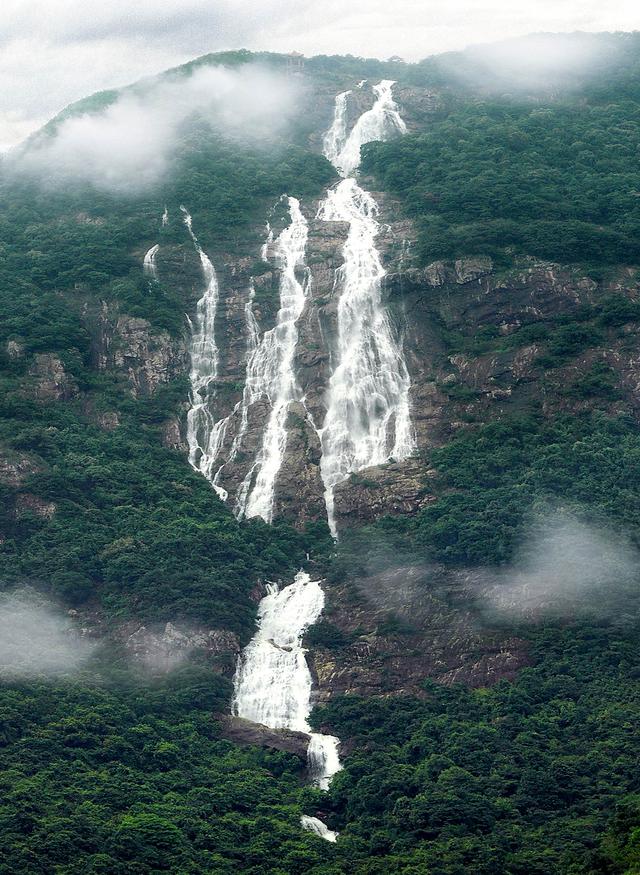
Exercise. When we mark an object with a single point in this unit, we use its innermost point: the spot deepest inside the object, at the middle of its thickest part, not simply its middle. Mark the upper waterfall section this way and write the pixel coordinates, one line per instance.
(381, 122)
(367, 419)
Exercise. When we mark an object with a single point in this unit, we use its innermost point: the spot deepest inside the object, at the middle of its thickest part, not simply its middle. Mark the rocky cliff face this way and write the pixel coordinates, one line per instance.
(472, 355)
(474, 336)
(497, 369)
(143, 357)
(400, 626)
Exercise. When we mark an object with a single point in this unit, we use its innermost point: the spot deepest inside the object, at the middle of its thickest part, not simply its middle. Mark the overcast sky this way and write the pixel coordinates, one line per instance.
(55, 51)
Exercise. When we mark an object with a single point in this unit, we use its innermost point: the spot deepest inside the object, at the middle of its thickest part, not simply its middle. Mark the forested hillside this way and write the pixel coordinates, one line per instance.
(487, 700)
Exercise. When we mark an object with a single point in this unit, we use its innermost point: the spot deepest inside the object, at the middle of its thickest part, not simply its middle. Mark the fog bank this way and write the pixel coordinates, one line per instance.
(127, 146)
(37, 639)
(567, 567)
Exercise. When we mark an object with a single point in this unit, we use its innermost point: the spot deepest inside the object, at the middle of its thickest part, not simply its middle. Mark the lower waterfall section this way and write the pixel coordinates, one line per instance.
(149, 267)
(315, 825)
(273, 683)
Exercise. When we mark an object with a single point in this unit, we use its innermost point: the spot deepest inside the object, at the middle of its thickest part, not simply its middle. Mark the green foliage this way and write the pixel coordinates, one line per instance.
(135, 527)
(106, 775)
(493, 478)
(325, 634)
(113, 776)
(620, 850)
(518, 779)
(75, 239)
(135, 530)
(555, 180)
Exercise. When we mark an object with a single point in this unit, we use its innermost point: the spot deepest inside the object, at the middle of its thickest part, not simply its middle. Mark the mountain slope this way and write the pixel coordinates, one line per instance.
(507, 235)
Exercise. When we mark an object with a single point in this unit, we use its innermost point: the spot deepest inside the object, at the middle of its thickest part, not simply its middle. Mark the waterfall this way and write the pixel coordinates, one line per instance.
(379, 123)
(204, 434)
(367, 419)
(335, 138)
(270, 371)
(272, 685)
(149, 267)
(368, 416)
(317, 826)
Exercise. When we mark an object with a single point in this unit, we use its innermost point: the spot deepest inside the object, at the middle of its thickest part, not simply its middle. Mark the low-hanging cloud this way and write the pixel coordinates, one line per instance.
(73, 47)
(539, 61)
(563, 568)
(566, 567)
(37, 639)
(128, 146)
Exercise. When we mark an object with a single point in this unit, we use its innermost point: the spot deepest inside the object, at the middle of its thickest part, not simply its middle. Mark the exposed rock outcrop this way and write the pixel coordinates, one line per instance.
(146, 358)
(15, 349)
(26, 503)
(404, 625)
(245, 732)
(15, 468)
(50, 380)
(172, 436)
(394, 488)
(162, 650)
(108, 420)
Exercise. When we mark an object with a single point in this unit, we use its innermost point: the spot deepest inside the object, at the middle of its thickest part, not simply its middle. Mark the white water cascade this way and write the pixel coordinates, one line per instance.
(368, 416)
(367, 420)
(270, 370)
(272, 685)
(314, 825)
(204, 434)
(149, 267)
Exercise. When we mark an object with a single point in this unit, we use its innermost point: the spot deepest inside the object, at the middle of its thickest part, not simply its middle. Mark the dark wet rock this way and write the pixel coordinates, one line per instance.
(50, 380)
(147, 358)
(394, 488)
(245, 732)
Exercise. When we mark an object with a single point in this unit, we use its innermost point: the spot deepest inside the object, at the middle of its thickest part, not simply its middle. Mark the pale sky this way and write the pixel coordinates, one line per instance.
(55, 51)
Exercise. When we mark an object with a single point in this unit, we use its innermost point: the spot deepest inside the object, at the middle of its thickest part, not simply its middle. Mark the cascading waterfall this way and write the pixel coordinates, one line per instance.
(269, 374)
(335, 138)
(270, 371)
(368, 416)
(272, 685)
(149, 267)
(315, 825)
(204, 434)
(367, 420)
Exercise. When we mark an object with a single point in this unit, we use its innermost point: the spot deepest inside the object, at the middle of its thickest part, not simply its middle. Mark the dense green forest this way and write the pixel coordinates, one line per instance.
(130, 513)
(107, 772)
(536, 776)
(555, 179)
(491, 481)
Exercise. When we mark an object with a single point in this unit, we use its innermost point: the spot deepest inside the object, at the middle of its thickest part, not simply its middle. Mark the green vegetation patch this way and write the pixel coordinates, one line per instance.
(554, 180)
